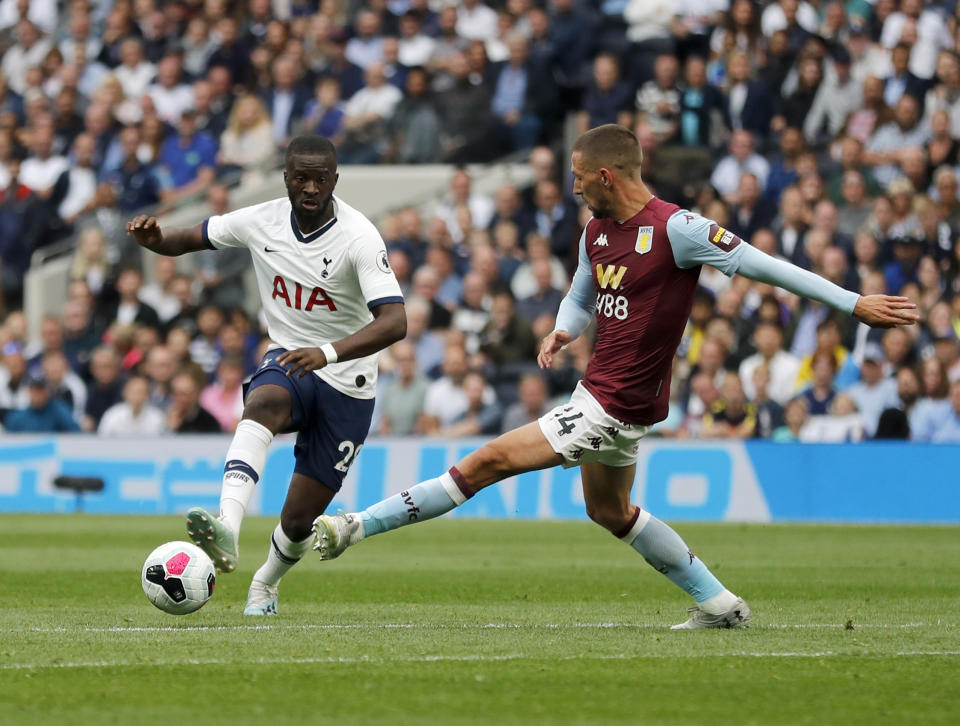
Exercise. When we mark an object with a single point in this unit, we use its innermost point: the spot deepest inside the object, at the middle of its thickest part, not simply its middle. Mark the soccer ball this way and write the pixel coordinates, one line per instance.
(178, 577)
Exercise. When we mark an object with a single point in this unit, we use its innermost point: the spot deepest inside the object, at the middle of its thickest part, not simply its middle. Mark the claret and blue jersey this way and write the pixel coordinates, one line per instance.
(639, 277)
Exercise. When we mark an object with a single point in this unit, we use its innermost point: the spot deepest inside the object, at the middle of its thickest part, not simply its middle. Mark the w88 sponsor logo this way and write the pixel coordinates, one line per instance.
(612, 306)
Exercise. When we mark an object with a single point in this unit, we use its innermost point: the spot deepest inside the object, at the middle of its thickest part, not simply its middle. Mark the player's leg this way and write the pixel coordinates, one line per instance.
(606, 492)
(271, 407)
(523, 449)
(307, 498)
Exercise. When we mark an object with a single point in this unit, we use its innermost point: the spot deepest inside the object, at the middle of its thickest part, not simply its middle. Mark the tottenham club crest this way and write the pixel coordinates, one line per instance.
(382, 262)
(644, 240)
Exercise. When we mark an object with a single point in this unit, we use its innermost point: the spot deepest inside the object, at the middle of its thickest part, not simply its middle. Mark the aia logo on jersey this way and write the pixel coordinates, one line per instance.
(610, 276)
(317, 296)
(644, 240)
(722, 238)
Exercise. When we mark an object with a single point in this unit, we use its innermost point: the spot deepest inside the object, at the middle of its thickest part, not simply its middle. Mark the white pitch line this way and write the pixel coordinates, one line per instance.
(469, 658)
(462, 626)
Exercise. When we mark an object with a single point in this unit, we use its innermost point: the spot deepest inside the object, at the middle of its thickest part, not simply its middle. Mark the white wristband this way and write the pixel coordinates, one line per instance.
(329, 352)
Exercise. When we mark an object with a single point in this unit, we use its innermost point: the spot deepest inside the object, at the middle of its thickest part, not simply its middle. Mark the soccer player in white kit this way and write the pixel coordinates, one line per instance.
(331, 303)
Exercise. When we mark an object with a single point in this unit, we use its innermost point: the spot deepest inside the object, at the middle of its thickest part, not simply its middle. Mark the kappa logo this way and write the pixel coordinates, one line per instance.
(722, 238)
(644, 240)
(611, 276)
(601, 241)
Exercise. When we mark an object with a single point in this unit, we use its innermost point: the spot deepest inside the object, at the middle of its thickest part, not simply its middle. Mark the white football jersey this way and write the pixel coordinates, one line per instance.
(316, 288)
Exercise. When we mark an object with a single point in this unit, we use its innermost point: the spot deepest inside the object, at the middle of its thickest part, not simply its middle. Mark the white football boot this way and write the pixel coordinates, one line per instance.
(214, 537)
(261, 599)
(336, 533)
(738, 616)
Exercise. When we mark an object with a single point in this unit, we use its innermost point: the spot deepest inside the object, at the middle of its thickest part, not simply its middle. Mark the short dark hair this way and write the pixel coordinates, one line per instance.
(312, 145)
(611, 145)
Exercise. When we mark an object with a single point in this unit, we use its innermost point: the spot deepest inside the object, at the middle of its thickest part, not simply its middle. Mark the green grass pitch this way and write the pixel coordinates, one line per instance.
(470, 622)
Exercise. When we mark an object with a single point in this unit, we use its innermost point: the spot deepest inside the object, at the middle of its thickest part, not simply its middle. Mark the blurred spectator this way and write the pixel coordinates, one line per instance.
(465, 114)
(224, 397)
(286, 100)
(366, 116)
(428, 345)
(483, 413)
(403, 397)
(129, 308)
(795, 417)
(874, 392)
(607, 99)
(893, 424)
(769, 413)
(105, 388)
(134, 72)
(135, 416)
(742, 159)
(13, 378)
(546, 299)
(425, 287)
(416, 47)
(189, 158)
(838, 96)
(473, 310)
(556, 219)
(731, 416)
(749, 102)
(749, 213)
(248, 138)
(43, 414)
(447, 401)
(75, 188)
(135, 183)
(783, 367)
(63, 384)
(475, 20)
(532, 404)
(507, 337)
(205, 347)
(185, 415)
(523, 97)
(415, 124)
(170, 95)
(325, 114)
(821, 391)
(658, 100)
(366, 47)
(882, 151)
(29, 51)
(842, 424)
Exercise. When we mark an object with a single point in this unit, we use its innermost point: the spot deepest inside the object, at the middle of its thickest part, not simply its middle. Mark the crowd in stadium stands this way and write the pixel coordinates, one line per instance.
(827, 133)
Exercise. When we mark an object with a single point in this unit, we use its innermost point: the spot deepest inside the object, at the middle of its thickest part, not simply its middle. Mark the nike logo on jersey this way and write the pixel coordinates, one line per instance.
(267, 249)
(601, 241)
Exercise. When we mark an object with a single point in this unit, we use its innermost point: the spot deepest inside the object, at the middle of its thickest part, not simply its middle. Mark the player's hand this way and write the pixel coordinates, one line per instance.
(146, 231)
(302, 359)
(885, 311)
(550, 345)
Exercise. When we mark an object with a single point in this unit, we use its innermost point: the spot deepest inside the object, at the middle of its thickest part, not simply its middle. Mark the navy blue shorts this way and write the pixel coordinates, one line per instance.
(331, 425)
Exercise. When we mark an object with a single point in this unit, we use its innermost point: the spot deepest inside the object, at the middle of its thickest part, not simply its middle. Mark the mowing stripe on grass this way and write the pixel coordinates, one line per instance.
(441, 626)
(475, 657)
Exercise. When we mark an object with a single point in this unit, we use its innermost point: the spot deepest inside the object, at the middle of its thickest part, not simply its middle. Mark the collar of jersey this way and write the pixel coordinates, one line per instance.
(313, 235)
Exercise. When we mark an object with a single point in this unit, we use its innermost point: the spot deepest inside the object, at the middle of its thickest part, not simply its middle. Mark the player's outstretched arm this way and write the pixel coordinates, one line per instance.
(389, 325)
(147, 233)
(879, 311)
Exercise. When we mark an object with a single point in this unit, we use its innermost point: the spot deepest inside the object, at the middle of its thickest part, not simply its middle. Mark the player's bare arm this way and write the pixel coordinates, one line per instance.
(389, 325)
(147, 233)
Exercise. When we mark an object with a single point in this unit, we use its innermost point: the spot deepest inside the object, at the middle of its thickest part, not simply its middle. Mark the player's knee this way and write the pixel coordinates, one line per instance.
(268, 408)
(297, 526)
(612, 517)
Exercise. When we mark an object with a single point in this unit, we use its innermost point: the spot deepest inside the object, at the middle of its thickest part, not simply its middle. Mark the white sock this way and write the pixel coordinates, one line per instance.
(284, 553)
(246, 458)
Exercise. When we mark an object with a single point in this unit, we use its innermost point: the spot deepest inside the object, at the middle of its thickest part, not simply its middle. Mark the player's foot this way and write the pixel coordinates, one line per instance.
(336, 533)
(213, 537)
(737, 616)
(261, 599)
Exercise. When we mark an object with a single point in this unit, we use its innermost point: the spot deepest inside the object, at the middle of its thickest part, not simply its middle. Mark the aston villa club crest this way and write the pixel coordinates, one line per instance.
(644, 240)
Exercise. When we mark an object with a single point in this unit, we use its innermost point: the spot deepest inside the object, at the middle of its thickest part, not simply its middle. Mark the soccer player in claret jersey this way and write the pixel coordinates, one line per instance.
(640, 259)
(331, 303)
